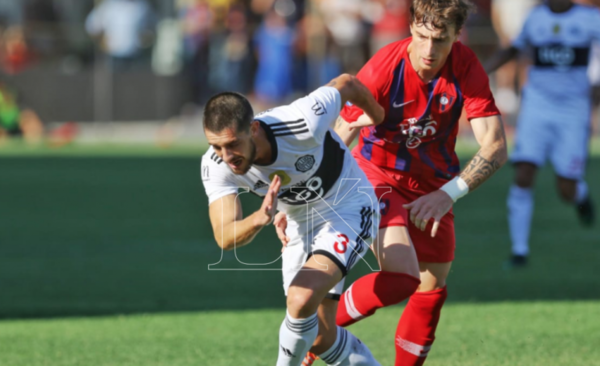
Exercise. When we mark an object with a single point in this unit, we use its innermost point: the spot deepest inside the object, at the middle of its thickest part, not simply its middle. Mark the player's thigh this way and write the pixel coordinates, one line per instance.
(570, 152)
(533, 138)
(433, 275)
(394, 248)
(314, 280)
(395, 252)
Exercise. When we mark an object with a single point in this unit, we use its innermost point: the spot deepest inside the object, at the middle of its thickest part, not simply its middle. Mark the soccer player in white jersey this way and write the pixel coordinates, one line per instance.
(554, 121)
(290, 156)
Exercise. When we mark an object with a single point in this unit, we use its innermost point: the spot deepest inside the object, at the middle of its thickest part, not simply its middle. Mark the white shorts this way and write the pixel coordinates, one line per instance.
(343, 236)
(559, 134)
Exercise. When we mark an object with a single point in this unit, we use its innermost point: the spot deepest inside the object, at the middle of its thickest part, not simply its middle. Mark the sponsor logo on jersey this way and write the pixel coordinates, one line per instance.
(205, 173)
(415, 130)
(319, 109)
(400, 105)
(305, 163)
(285, 179)
(260, 184)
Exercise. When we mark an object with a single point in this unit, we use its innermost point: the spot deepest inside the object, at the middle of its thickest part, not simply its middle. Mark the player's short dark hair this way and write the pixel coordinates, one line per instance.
(439, 13)
(228, 110)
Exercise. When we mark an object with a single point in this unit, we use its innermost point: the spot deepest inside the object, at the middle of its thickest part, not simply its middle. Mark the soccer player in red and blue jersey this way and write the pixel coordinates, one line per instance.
(424, 83)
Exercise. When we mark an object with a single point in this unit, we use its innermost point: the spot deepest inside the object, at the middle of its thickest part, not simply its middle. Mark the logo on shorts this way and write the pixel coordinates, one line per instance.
(305, 163)
(342, 245)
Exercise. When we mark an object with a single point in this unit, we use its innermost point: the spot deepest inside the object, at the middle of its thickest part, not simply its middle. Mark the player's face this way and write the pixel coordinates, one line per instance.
(237, 150)
(432, 45)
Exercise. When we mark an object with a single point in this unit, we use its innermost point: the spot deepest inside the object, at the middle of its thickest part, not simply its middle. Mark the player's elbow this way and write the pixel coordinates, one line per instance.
(501, 152)
(225, 244)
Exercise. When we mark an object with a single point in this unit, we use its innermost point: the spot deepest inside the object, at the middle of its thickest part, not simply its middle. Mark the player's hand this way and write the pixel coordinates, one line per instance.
(268, 209)
(280, 226)
(433, 205)
(365, 120)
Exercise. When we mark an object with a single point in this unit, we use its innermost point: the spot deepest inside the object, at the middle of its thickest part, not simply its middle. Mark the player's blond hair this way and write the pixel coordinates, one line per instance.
(439, 13)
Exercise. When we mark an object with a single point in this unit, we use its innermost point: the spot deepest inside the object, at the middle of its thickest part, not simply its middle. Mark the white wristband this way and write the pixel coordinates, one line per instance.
(456, 188)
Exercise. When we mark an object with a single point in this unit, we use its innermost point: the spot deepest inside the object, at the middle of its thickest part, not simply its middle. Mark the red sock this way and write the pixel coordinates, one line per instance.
(416, 329)
(372, 292)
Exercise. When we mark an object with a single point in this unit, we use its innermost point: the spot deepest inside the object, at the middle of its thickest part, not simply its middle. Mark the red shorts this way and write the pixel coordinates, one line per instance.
(405, 189)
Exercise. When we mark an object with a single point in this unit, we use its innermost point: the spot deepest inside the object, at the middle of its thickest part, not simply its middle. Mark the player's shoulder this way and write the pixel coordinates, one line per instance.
(210, 158)
(462, 58)
(586, 10)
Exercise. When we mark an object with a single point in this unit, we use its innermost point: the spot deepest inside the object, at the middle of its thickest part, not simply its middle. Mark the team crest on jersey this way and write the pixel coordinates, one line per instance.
(556, 29)
(305, 163)
(445, 102)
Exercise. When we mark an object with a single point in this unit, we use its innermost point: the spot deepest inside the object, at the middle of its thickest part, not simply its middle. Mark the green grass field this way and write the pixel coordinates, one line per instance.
(104, 261)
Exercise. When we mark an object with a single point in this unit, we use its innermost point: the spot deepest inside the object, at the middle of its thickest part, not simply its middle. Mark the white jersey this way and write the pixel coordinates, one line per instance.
(314, 165)
(561, 44)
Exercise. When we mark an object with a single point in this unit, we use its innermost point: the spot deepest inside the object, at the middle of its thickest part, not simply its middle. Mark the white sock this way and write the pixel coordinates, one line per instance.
(520, 211)
(296, 336)
(581, 192)
(348, 351)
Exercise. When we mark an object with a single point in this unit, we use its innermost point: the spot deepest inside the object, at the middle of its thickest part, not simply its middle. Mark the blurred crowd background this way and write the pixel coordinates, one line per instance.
(81, 63)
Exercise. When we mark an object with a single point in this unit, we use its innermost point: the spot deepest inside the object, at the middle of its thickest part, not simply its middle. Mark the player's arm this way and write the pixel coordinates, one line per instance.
(489, 132)
(354, 91)
(492, 153)
(501, 57)
(231, 230)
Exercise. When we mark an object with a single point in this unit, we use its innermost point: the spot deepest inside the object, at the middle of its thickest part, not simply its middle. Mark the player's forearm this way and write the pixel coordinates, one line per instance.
(239, 233)
(500, 58)
(353, 91)
(343, 130)
(485, 163)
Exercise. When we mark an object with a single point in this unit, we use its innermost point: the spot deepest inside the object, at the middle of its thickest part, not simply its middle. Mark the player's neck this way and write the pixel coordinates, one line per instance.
(563, 8)
(264, 150)
(425, 75)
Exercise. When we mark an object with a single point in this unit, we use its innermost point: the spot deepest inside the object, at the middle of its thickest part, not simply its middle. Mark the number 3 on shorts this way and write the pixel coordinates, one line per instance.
(342, 245)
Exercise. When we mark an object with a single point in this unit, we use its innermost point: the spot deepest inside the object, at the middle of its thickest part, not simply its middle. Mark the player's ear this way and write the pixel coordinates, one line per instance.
(254, 128)
(456, 34)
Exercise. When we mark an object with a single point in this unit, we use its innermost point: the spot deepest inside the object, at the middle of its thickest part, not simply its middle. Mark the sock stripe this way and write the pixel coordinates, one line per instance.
(413, 348)
(341, 345)
(303, 327)
(350, 307)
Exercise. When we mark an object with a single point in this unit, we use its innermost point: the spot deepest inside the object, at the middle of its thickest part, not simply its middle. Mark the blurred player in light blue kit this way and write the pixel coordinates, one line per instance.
(554, 122)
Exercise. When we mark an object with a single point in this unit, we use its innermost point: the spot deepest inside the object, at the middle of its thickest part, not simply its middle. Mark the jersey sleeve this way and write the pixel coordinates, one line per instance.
(320, 109)
(596, 20)
(217, 181)
(479, 101)
(375, 75)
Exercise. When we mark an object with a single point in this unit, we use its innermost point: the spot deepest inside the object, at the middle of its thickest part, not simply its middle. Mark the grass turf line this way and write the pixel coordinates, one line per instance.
(502, 334)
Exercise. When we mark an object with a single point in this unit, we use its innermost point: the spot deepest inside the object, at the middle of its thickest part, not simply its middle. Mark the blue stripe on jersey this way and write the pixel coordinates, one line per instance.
(430, 89)
(367, 149)
(396, 116)
(456, 112)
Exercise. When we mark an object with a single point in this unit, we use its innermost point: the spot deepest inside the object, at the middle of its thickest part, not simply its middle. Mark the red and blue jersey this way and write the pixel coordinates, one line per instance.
(418, 134)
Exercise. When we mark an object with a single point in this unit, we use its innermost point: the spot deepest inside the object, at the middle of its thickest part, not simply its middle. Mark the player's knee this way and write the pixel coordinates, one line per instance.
(302, 302)
(567, 189)
(525, 174)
